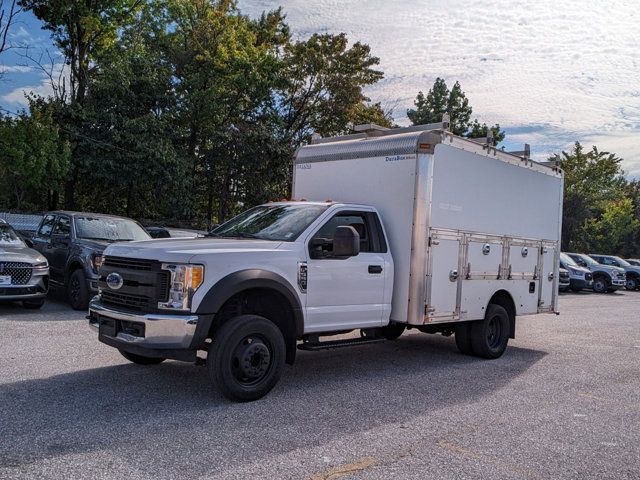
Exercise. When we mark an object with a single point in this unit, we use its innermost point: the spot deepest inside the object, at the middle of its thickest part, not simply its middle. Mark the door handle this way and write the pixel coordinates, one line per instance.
(375, 268)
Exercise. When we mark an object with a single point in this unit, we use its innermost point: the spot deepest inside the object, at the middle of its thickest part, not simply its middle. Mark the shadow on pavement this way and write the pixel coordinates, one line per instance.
(156, 410)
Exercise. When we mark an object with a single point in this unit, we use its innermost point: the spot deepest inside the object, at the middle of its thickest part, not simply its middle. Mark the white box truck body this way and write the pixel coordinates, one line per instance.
(464, 220)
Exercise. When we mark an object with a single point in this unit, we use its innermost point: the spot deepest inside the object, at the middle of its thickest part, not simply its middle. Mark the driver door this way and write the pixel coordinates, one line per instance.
(347, 293)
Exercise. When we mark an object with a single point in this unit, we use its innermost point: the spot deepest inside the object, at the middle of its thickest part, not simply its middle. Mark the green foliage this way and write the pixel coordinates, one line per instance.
(612, 230)
(592, 179)
(32, 157)
(440, 100)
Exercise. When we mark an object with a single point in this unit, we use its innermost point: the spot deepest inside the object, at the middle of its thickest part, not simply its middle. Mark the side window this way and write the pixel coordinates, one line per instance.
(366, 224)
(63, 227)
(357, 221)
(47, 226)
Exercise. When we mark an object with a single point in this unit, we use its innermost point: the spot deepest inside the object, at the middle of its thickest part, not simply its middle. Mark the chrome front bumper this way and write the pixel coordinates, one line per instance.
(159, 331)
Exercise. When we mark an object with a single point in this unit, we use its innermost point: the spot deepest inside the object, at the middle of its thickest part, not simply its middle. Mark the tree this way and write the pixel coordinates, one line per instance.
(440, 100)
(33, 159)
(592, 180)
(611, 231)
(8, 13)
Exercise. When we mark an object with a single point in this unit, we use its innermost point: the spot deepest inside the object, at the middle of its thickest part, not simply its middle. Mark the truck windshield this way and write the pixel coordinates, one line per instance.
(109, 229)
(587, 259)
(621, 262)
(567, 260)
(8, 237)
(282, 223)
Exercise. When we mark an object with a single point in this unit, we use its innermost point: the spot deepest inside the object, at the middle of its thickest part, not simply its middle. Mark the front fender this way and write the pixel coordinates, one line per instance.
(240, 281)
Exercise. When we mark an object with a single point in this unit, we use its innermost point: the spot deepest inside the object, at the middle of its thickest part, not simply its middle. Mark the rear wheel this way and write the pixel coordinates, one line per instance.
(489, 337)
(600, 284)
(77, 291)
(141, 360)
(246, 357)
(463, 338)
(33, 304)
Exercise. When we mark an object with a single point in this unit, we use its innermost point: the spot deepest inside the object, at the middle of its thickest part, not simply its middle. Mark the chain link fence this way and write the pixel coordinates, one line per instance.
(22, 222)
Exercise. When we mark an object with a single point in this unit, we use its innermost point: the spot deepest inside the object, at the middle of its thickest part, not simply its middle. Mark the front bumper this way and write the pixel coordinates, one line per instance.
(619, 282)
(35, 289)
(140, 332)
(581, 283)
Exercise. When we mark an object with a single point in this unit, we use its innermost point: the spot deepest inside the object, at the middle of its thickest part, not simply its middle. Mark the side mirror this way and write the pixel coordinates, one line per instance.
(346, 242)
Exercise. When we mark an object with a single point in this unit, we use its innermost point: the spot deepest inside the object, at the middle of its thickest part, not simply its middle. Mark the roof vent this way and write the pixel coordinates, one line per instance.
(370, 129)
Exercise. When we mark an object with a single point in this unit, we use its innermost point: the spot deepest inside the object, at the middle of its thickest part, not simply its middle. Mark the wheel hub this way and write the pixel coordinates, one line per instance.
(253, 358)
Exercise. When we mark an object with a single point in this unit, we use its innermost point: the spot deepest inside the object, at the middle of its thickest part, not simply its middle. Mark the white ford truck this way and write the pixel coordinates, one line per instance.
(405, 228)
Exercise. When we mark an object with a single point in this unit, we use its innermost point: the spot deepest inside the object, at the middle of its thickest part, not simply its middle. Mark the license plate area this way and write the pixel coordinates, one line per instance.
(111, 327)
(5, 279)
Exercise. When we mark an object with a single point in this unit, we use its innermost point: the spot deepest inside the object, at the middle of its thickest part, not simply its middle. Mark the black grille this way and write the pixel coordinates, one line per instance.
(564, 275)
(20, 272)
(134, 302)
(129, 263)
(145, 284)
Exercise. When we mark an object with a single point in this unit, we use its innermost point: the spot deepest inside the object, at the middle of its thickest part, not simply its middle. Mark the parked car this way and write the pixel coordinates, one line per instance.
(632, 272)
(581, 277)
(633, 261)
(564, 282)
(73, 243)
(168, 232)
(606, 278)
(24, 273)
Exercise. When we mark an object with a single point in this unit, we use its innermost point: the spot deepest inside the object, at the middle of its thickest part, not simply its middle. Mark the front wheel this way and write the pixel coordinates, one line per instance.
(600, 285)
(78, 291)
(246, 357)
(489, 337)
(632, 284)
(141, 360)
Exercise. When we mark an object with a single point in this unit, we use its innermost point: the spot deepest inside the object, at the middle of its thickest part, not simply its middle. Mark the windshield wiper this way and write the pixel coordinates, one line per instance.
(99, 238)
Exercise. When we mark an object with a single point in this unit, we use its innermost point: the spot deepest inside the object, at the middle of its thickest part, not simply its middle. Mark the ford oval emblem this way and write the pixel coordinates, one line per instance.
(115, 281)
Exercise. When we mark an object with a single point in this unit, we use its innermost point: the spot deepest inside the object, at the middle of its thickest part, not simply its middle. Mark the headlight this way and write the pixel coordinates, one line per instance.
(96, 262)
(184, 281)
(576, 272)
(41, 266)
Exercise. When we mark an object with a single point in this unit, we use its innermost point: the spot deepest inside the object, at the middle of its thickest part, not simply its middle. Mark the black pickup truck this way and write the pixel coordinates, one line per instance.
(73, 243)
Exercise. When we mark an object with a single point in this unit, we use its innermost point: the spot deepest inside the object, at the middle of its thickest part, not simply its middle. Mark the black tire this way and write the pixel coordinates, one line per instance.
(601, 284)
(141, 360)
(393, 331)
(33, 304)
(77, 291)
(246, 357)
(489, 337)
(632, 283)
(463, 338)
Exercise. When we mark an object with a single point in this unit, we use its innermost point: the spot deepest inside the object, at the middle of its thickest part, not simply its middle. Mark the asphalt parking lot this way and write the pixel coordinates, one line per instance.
(563, 402)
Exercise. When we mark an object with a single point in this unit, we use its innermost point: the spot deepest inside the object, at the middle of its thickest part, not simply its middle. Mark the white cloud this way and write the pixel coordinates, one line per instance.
(15, 69)
(570, 71)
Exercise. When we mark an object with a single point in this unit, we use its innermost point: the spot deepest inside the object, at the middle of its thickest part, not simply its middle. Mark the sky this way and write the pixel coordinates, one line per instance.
(549, 72)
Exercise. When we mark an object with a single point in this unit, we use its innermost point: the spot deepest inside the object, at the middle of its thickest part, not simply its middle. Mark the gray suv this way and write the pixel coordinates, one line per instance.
(632, 272)
(606, 278)
(24, 273)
